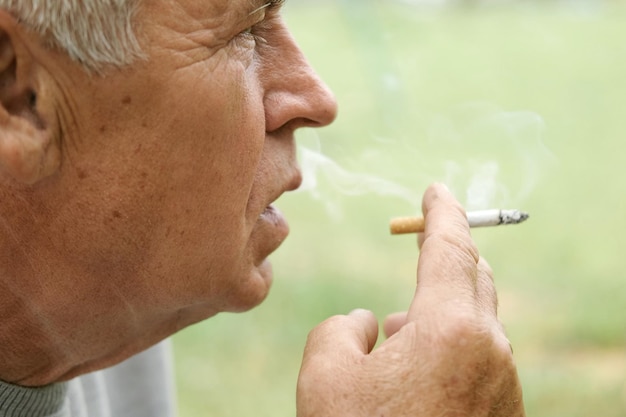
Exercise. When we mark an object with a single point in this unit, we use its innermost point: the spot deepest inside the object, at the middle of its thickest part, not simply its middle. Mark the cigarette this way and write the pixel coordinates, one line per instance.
(480, 218)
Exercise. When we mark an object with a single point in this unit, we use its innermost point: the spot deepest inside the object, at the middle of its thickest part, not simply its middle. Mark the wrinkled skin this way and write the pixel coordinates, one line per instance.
(139, 202)
(447, 356)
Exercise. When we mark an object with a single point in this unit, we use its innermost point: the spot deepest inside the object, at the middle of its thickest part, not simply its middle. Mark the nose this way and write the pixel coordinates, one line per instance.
(294, 93)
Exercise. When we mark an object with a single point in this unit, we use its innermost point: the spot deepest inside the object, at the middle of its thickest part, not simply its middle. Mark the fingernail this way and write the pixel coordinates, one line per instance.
(357, 311)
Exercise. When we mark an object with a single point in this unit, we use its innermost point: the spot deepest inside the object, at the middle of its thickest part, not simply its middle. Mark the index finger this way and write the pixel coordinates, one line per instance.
(447, 268)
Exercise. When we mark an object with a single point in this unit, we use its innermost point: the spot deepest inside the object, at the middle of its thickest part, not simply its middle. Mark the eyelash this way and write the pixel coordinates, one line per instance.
(274, 3)
(252, 32)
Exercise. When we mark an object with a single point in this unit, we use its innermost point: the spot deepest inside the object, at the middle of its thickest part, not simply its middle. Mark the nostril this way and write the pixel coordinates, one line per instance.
(32, 99)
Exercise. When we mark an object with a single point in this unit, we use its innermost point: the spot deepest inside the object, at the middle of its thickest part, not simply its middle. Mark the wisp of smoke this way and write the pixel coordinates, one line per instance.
(489, 158)
(343, 182)
(492, 157)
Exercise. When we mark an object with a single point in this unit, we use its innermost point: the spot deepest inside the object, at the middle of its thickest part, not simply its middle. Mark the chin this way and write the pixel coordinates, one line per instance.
(253, 290)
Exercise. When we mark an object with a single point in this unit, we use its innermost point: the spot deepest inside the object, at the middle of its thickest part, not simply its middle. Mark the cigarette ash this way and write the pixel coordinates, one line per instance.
(512, 216)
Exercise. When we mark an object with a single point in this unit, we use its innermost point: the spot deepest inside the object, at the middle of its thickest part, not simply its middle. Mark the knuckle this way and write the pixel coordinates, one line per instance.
(471, 334)
(462, 329)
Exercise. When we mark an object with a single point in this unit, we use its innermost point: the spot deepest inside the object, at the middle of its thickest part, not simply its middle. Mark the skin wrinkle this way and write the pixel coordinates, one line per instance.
(484, 379)
(456, 241)
(44, 324)
(130, 315)
(111, 357)
(465, 259)
(209, 37)
(66, 113)
(267, 25)
(198, 18)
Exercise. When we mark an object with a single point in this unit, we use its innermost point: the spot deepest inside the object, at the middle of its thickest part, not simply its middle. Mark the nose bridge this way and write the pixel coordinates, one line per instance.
(291, 60)
(292, 85)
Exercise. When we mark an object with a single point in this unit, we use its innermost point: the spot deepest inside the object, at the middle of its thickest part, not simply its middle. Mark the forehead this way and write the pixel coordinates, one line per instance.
(219, 7)
(187, 16)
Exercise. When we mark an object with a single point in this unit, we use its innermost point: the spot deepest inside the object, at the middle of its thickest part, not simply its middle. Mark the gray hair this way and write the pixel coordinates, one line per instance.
(95, 33)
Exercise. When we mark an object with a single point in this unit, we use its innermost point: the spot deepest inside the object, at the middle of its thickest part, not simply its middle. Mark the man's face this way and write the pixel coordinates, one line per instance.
(170, 167)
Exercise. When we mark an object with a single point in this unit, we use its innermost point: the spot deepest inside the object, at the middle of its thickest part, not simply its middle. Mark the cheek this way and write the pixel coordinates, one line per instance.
(168, 197)
(215, 155)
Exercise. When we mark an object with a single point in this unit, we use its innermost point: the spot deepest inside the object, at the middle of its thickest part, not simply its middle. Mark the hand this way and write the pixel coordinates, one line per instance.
(448, 356)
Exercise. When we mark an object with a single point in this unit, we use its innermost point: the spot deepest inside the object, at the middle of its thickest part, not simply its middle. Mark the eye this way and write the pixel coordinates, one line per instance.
(254, 32)
(249, 33)
(260, 25)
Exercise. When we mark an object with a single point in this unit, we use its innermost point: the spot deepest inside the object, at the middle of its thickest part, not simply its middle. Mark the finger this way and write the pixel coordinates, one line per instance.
(393, 323)
(486, 293)
(447, 269)
(352, 335)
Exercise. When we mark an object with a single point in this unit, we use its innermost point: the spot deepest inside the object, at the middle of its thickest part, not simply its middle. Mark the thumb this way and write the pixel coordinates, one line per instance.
(328, 372)
(354, 334)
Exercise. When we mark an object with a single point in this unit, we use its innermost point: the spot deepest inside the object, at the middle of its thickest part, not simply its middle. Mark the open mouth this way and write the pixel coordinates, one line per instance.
(271, 214)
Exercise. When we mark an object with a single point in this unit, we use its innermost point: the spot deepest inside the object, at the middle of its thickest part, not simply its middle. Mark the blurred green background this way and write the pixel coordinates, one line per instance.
(521, 103)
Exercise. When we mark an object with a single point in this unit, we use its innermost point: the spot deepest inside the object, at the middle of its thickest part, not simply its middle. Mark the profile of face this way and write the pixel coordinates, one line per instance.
(161, 212)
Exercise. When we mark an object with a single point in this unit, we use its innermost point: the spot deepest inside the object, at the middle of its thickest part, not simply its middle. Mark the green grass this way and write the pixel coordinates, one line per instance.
(417, 89)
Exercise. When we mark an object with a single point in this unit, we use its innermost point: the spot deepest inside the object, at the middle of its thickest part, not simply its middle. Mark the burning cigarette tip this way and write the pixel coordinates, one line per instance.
(481, 218)
(512, 216)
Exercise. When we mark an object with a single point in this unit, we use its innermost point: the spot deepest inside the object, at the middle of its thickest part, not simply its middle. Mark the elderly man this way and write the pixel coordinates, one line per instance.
(142, 144)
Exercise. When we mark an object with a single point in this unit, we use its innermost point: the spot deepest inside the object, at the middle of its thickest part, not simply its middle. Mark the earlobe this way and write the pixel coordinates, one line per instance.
(29, 149)
(27, 154)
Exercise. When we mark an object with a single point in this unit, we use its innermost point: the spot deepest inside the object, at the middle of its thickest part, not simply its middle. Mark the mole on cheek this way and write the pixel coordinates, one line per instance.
(127, 100)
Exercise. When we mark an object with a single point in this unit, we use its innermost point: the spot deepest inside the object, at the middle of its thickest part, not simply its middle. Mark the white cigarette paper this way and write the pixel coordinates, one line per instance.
(480, 218)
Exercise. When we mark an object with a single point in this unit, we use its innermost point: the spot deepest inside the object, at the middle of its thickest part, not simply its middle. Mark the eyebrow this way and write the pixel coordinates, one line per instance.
(266, 5)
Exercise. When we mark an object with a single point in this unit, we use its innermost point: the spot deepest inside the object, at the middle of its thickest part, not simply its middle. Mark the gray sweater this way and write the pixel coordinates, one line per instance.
(142, 386)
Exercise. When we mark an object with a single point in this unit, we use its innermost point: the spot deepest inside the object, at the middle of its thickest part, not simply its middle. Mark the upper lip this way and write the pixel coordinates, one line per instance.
(291, 184)
(294, 182)
(289, 177)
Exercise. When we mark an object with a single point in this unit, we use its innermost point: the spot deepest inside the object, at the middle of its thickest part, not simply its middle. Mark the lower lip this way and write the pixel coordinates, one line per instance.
(273, 227)
(274, 217)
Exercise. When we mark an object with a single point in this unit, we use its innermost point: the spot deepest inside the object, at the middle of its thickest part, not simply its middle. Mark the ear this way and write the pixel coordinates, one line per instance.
(29, 148)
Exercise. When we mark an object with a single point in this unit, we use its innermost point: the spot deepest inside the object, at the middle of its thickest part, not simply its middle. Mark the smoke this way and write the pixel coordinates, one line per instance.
(328, 182)
(492, 157)
(488, 157)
